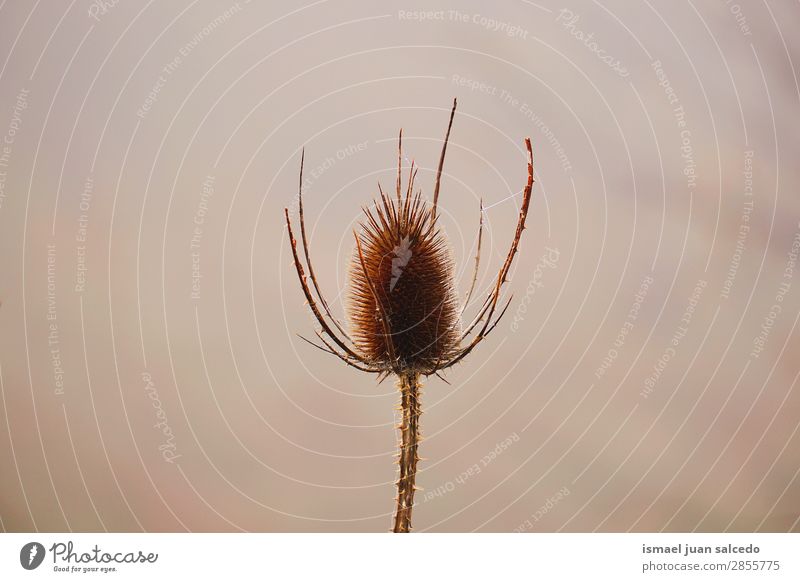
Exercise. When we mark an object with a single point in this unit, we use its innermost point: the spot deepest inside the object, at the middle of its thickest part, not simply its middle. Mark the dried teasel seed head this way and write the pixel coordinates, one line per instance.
(403, 308)
(404, 311)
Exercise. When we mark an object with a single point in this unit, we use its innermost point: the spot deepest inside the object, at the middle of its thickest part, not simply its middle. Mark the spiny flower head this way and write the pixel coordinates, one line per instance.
(404, 311)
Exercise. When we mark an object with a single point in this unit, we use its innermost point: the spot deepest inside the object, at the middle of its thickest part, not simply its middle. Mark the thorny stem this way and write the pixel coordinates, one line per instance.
(410, 388)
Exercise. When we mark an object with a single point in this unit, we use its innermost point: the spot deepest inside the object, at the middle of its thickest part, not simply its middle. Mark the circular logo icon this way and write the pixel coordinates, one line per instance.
(31, 555)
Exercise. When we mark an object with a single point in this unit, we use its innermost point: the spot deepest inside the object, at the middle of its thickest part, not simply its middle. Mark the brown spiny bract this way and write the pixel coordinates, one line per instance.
(404, 311)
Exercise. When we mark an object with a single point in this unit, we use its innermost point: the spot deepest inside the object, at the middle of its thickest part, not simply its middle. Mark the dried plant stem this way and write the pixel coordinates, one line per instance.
(410, 392)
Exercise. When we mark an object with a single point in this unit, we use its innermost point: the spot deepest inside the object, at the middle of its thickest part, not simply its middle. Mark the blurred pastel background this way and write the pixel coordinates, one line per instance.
(644, 378)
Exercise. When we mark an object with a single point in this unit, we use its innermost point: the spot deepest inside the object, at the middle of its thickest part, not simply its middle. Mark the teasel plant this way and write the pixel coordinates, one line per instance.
(405, 317)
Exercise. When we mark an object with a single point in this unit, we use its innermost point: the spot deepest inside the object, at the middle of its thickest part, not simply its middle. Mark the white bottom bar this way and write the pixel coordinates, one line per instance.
(415, 557)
